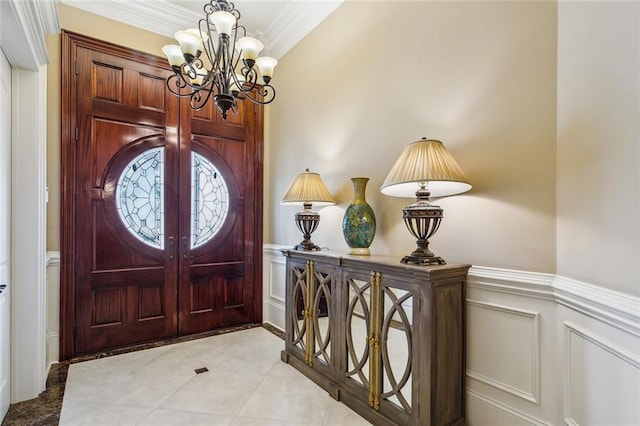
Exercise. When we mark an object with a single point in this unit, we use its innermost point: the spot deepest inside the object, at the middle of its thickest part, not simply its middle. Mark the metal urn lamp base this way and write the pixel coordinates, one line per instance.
(307, 222)
(423, 220)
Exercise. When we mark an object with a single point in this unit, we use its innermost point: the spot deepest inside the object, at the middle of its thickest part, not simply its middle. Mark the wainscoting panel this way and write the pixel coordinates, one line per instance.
(53, 307)
(482, 410)
(273, 284)
(600, 378)
(512, 365)
(505, 343)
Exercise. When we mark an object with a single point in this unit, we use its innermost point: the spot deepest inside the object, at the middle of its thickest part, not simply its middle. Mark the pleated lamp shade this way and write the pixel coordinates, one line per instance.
(308, 187)
(426, 160)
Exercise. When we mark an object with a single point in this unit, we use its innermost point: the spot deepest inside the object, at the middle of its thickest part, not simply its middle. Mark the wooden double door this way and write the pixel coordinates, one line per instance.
(161, 220)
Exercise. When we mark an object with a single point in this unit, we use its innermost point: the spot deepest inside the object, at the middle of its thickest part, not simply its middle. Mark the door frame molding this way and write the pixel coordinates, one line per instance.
(24, 25)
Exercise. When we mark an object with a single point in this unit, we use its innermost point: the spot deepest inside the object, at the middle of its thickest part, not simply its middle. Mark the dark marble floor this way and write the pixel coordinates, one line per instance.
(45, 409)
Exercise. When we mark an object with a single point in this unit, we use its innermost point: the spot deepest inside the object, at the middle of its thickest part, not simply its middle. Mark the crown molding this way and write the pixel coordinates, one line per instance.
(25, 25)
(295, 21)
(158, 16)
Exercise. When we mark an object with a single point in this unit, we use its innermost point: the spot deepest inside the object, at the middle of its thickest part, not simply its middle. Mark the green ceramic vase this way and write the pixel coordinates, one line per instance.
(359, 221)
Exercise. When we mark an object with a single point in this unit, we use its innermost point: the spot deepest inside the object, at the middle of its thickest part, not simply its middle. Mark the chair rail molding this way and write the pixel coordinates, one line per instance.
(614, 308)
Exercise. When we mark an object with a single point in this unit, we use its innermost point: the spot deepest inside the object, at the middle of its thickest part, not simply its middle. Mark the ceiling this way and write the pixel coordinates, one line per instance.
(279, 24)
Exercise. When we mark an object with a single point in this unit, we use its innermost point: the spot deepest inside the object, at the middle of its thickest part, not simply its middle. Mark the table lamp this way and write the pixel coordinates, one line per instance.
(307, 189)
(425, 168)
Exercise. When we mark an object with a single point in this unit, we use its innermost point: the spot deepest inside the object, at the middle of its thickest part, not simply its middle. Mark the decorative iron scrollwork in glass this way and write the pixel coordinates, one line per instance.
(209, 200)
(140, 197)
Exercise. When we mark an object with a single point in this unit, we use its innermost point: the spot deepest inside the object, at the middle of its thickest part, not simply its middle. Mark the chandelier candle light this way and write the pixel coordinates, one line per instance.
(425, 168)
(206, 60)
(307, 189)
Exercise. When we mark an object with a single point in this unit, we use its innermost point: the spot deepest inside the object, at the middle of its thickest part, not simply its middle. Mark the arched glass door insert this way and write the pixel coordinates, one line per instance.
(209, 200)
(140, 197)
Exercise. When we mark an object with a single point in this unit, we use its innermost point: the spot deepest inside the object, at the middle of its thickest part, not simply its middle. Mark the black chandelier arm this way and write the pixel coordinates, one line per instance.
(197, 100)
(263, 95)
(250, 79)
(175, 84)
(204, 27)
(182, 75)
(191, 70)
(239, 29)
(221, 6)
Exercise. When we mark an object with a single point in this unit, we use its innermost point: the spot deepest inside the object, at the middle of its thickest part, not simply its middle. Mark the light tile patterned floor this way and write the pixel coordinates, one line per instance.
(246, 384)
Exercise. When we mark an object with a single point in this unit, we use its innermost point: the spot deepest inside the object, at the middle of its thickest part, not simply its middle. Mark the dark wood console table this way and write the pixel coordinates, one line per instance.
(386, 339)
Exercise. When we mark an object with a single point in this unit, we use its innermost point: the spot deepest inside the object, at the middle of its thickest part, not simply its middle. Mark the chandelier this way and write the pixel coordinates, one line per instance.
(206, 62)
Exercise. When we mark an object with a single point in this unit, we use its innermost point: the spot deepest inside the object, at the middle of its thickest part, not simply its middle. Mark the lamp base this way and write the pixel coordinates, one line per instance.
(306, 246)
(307, 221)
(422, 260)
(423, 220)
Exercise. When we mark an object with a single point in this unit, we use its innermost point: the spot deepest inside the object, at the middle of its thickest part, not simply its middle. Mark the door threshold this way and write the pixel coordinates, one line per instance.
(164, 342)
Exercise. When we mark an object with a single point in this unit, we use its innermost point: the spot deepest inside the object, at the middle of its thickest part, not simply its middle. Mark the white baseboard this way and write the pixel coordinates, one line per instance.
(506, 410)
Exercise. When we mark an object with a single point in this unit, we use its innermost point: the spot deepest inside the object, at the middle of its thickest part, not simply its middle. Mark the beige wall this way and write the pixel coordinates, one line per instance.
(599, 143)
(480, 76)
(81, 22)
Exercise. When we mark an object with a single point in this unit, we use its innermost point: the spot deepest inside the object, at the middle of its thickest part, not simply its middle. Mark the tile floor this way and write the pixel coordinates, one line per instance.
(246, 384)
